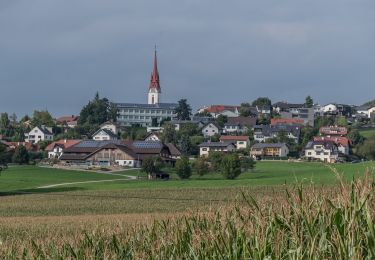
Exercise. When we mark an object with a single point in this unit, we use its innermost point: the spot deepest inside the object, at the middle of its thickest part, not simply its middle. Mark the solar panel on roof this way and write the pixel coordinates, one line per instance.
(147, 144)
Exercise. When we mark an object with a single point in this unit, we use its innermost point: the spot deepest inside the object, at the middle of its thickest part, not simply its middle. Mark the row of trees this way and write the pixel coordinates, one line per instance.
(229, 165)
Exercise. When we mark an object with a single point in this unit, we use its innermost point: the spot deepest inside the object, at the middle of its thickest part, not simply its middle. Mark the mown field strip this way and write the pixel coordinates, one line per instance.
(81, 182)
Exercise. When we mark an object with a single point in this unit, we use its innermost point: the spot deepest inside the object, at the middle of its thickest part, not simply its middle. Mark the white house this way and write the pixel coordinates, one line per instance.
(153, 136)
(366, 110)
(104, 134)
(241, 141)
(329, 108)
(260, 150)
(110, 126)
(39, 133)
(210, 129)
(321, 150)
(56, 149)
(207, 147)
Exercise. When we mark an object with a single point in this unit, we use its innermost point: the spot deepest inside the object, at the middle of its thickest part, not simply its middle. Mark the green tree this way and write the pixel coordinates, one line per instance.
(201, 166)
(262, 101)
(247, 163)
(42, 117)
(184, 144)
(20, 156)
(221, 120)
(341, 121)
(169, 134)
(245, 109)
(4, 123)
(367, 149)
(3, 155)
(215, 158)
(309, 102)
(231, 166)
(183, 168)
(183, 110)
(152, 165)
(355, 137)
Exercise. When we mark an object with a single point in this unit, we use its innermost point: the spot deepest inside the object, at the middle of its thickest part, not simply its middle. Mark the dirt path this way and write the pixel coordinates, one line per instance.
(84, 182)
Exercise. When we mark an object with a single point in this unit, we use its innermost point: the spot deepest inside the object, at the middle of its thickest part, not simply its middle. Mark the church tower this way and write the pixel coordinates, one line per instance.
(154, 90)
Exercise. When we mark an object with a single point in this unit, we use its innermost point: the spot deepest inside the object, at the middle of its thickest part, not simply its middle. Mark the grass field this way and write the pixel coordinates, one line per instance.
(367, 133)
(49, 221)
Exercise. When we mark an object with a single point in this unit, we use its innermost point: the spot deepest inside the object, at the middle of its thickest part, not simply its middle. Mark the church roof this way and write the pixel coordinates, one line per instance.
(155, 83)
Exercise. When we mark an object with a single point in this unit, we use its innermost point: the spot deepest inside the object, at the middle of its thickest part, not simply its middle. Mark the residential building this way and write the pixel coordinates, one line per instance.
(111, 126)
(216, 110)
(333, 131)
(67, 121)
(104, 134)
(239, 124)
(305, 114)
(39, 133)
(367, 111)
(207, 147)
(241, 141)
(336, 109)
(153, 136)
(342, 142)
(286, 107)
(287, 121)
(150, 114)
(324, 151)
(264, 110)
(210, 129)
(264, 132)
(179, 123)
(261, 150)
(56, 149)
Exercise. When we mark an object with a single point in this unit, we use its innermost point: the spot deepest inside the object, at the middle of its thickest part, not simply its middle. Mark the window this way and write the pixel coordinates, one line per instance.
(204, 149)
(141, 117)
(147, 111)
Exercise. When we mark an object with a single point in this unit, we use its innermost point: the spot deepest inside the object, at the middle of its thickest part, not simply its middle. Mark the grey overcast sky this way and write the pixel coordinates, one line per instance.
(55, 54)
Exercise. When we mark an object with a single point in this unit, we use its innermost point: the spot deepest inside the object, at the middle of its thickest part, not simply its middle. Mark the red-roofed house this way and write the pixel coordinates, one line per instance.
(343, 143)
(241, 141)
(56, 149)
(333, 130)
(69, 121)
(216, 110)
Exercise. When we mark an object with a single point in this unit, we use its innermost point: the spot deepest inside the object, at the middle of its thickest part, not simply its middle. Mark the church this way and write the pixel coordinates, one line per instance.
(150, 114)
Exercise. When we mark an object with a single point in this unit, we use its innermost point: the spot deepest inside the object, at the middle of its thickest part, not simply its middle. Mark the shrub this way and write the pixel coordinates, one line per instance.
(231, 166)
(201, 166)
(183, 168)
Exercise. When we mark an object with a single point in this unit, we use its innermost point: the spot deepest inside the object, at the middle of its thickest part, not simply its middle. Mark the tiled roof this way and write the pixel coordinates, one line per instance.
(220, 108)
(44, 130)
(277, 121)
(268, 145)
(234, 138)
(268, 130)
(108, 132)
(173, 149)
(333, 130)
(241, 120)
(135, 105)
(63, 143)
(286, 105)
(215, 144)
(340, 140)
(326, 144)
(67, 119)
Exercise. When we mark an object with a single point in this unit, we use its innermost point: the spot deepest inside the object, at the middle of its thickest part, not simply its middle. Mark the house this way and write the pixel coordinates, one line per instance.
(154, 129)
(39, 133)
(333, 130)
(56, 149)
(367, 111)
(264, 132)
(115, 153)
(210, 129)
(104, 134)
(342, 142)
(224, 147)
(324, 151)
(264, 110)
(241, 141)
(239, 124)
(286, 107)
(287, 121)
(67, 121)
(153, 136)
(305, 114)
(261, 150)
(336, 109)
(111, 126)
(216, 110)
(11, 146)
(179, 123)
(175, 153)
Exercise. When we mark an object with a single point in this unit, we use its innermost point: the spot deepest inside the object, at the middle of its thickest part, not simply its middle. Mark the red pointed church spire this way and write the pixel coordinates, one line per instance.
(155, 83)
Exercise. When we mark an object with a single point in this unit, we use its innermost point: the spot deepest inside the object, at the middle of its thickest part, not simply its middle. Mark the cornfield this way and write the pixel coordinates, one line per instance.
(305, 223)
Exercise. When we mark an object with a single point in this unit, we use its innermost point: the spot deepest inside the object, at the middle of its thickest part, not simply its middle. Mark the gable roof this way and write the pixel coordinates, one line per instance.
(289, 121)
(67, 119)
(286, 105)
(173, 149)
(216, 144)
(62, 143)
(234, 138)
(211, 123)
(110, 123)
(242, 121)
(44, 130)
(268, 145)
(268, 130)
(108, 132)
